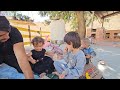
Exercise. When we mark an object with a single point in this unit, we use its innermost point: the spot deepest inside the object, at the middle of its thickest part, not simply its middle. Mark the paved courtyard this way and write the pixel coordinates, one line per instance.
(111, 55)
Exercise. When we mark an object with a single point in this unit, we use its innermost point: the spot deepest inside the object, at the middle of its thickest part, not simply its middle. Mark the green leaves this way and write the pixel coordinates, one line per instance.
(70, 16)
(67, 16)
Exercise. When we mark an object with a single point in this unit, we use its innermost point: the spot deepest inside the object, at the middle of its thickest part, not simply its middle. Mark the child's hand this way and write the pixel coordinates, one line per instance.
(29, 54)
(61, 76)
(42, 75)
(59, 57)
(55, 56)
(65, 50)
(81, 47)
(56, 73)
(33, 61)
(88, 56)
(49, 53)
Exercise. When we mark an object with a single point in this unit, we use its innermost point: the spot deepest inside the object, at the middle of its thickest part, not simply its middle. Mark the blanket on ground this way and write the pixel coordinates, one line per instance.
(8, 72)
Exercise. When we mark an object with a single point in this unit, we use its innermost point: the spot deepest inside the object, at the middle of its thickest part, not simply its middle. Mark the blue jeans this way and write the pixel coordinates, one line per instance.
(11, 60)
(61, 66)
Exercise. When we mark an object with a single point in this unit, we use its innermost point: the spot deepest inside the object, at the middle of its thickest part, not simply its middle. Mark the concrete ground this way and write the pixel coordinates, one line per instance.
(111, 55)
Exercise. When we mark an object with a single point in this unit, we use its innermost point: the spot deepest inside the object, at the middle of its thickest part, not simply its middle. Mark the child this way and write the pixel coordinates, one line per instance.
(92, 39)
(53, 49)
(72, 65)
(88, 51)
(38, 61)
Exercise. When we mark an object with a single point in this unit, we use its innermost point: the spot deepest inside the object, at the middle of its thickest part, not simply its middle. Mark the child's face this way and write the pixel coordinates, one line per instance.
(69, 47)
(38, 47)
(83, 44)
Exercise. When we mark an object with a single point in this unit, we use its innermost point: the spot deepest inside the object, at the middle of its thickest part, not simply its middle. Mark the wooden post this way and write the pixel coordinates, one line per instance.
(29, 34)
(40, 32)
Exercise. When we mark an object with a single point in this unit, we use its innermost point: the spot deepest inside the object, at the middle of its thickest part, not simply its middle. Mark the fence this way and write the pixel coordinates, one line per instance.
(29, 34)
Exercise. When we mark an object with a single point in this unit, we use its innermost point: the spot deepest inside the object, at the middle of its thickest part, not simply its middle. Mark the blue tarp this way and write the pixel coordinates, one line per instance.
(8, 72)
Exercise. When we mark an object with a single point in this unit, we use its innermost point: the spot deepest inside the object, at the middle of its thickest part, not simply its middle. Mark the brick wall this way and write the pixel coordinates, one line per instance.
(104, 35)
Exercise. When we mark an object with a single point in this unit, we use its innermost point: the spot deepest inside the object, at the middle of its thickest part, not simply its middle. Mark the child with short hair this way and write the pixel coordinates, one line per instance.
(72, 65)
(88, 51)
(38, 61)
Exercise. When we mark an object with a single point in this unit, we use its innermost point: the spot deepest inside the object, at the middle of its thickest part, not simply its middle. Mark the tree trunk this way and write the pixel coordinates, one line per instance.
(81, 24)
(92, 20)
(102, 22)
